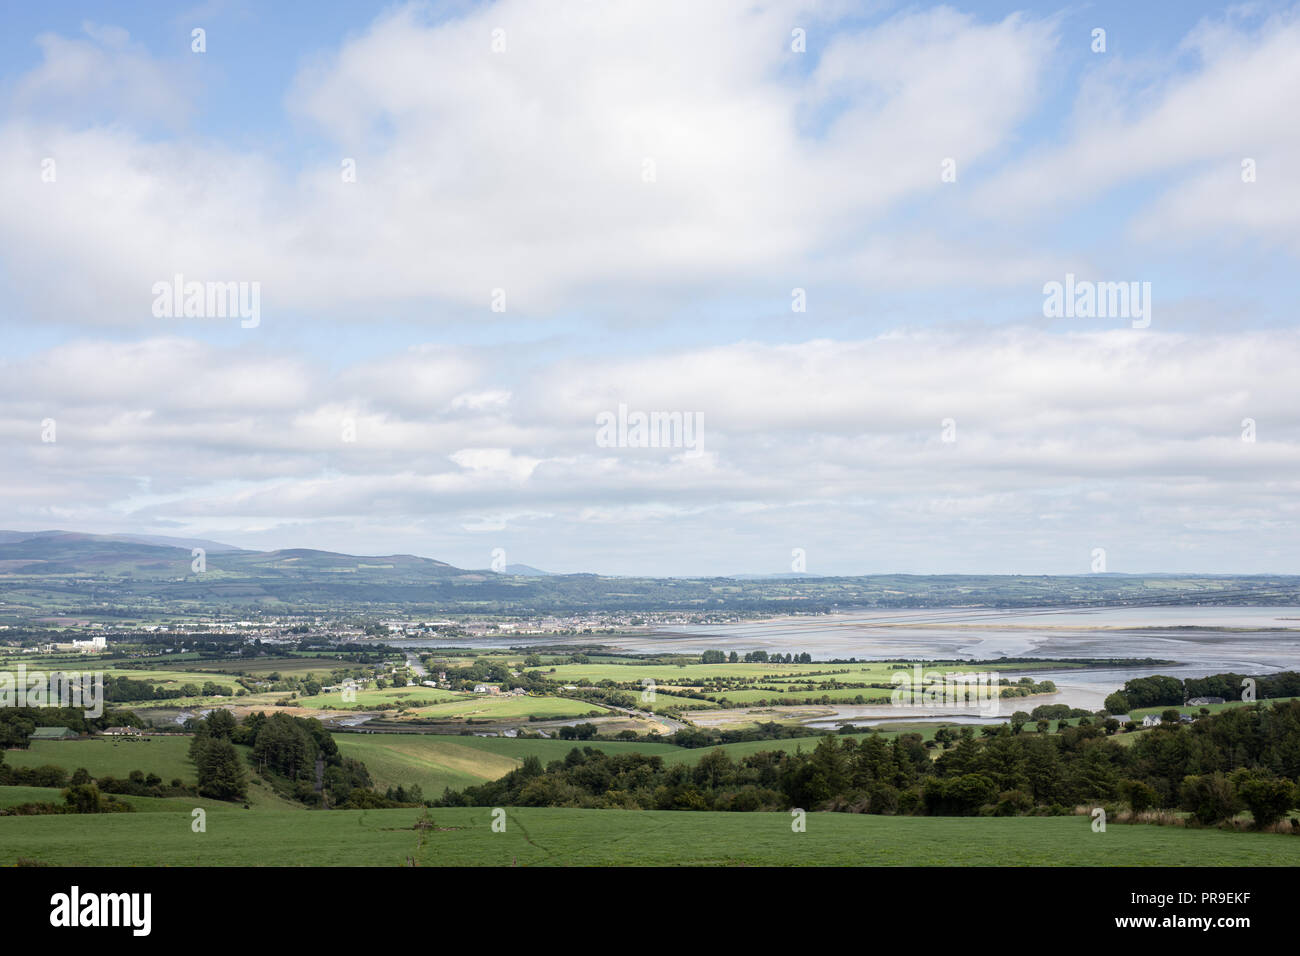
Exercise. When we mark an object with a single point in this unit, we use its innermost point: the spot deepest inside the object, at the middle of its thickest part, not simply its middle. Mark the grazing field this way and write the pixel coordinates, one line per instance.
(390, 698)
(693, 674)
(297, 666)
(494, 707)
(667, 701)
(562, 837)
(168, 757)
(432, 762)
(12, 796)
(1194, 710)
(798, 692)
(437, 761)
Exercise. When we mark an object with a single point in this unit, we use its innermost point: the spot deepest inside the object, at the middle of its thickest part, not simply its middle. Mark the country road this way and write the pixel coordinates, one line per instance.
(414, 664)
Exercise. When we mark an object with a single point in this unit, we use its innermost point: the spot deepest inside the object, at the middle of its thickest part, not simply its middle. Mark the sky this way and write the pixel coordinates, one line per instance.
(824, 235)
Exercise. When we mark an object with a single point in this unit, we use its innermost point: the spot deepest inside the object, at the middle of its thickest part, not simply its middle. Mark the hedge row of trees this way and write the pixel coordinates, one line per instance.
(120, 689)
(17, 723)
(1242, 758)
(80, 793)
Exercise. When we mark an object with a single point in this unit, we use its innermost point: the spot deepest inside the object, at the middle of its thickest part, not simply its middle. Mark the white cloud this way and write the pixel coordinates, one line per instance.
(1084, 427)
(1182, 132)
(103, 73)
(524, 170)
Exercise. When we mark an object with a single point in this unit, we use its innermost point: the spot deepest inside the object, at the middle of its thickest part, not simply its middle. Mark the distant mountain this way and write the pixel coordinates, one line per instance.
(528, 571)
(159, 557)
(13, 537)
(772, 577)
(212, 547)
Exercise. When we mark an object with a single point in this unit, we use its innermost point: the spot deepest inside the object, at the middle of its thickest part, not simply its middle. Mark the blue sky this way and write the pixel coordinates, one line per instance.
(523, 169)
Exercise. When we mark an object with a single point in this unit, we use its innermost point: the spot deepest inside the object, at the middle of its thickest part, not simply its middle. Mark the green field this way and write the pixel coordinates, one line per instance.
(493, 707)
(437, 761)
(390, 698)
(1138, 713)
(682, 674)
(12, 796)
(665, 702)
(297, 666)
(168, 757)
(561, 837)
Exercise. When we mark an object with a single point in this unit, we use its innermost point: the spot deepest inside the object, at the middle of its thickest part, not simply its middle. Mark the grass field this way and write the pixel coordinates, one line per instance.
(298, 666)
(492, 707)
(682, 675)
(433, 762)
(1139, 712)
(561, 837)
(390, 698)
(12, 796)
(168, 757)
(666, 701)
(437, 761)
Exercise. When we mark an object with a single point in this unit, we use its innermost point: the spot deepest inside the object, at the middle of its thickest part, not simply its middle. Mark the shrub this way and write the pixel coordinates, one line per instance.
(1267, 799)
(1210, 798)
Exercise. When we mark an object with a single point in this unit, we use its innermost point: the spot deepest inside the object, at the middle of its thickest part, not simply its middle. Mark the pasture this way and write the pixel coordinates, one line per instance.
(564, 837)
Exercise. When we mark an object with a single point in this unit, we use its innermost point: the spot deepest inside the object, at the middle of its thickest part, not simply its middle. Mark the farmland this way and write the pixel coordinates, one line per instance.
(563, 837)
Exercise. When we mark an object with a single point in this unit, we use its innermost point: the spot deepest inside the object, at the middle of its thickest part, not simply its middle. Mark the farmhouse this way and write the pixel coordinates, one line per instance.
(1151, 720)
(1202, 701)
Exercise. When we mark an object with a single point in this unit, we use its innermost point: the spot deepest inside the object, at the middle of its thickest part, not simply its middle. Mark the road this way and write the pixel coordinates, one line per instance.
(414, 664)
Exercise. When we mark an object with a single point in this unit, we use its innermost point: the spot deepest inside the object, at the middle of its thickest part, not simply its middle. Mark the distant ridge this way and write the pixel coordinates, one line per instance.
(161, 540)
(528, 571)
(49, 575)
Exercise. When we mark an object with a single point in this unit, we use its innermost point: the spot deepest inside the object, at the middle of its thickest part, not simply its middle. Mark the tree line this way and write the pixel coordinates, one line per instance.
(1247, 758)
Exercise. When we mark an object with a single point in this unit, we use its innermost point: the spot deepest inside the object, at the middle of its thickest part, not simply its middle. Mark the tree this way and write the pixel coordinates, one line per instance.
(221, 771)
(83, 798)
(1154, 691)
(1117, 703)
(221, 724)
(1140, 797)
(712, 768)
(1268, 799)
(1211, 798)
